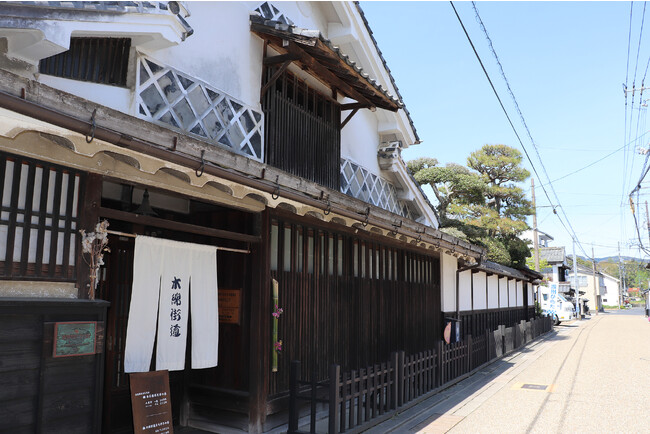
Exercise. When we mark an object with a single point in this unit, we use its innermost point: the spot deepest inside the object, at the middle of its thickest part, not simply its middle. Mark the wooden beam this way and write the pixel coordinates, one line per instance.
(344, 123)
(176, 226)
(263, 30)
(274, 60)
(354, 105)
(326, 74)
(325, 51)
(274, 78)
(323, 55)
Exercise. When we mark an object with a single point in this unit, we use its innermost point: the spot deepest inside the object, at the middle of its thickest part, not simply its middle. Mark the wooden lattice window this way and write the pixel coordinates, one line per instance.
(38, 220)
(303, 130)
(99, 60)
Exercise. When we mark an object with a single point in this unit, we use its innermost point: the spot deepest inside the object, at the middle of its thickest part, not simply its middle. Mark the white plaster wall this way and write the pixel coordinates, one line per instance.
(480, 297)
(448, 267)
(512, 291)
(493, 292)
(115, 97)
(556, 274)
(225, 54)
(531, 299)
(520, 293)
(222, 51)
(611, 297)
(465, 290)
(503, 292)
(360, 140)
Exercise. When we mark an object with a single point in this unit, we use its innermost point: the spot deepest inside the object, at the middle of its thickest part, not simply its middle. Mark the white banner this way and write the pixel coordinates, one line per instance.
(170, 277)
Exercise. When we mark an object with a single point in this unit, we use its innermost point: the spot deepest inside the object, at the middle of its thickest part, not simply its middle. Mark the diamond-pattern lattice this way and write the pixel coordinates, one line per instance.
(172, 98)
(359, 183)
(270, 12)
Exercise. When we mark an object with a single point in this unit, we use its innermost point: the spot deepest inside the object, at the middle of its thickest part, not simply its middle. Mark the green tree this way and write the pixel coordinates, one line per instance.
(505, 208)
(530, 262)
(482, 203)
(452, 185)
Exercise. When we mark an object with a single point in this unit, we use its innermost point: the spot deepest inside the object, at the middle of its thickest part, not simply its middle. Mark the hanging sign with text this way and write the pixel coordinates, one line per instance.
(151, 402)
(229, 305)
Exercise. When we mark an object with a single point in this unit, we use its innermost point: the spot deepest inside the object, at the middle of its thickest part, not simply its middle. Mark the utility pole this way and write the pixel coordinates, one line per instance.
(620, 277)
(647, 217)
(575, 279)
(535, 236)
(596, 289)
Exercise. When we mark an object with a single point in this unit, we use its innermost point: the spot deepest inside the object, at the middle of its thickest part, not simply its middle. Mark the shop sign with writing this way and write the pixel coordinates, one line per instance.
(151, 402)
(229, 306)
(75, 338)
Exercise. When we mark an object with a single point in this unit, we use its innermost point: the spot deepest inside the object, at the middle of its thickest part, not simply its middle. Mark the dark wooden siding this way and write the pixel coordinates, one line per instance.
(349, 300)
(39, 393)
(303, 135)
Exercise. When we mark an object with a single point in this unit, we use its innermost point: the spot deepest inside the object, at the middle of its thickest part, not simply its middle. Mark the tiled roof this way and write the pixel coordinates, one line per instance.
(115, 7)
(552, 255)
(260, 24)
(524, 274)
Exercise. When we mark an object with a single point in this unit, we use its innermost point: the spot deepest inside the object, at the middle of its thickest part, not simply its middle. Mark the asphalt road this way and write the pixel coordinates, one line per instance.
(589, 376)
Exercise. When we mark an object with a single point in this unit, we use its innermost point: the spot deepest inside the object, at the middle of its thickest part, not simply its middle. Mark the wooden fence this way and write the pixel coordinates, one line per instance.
(359, 398)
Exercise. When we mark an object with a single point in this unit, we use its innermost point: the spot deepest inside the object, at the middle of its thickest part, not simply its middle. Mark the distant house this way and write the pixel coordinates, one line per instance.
(633, 292)
(604, 292)
(556, 271)
(542, 237)
(612, 294)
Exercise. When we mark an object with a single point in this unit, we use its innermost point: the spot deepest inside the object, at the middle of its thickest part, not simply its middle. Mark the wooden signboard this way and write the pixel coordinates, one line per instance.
(229, 306)
(151, 402)
(74, 338)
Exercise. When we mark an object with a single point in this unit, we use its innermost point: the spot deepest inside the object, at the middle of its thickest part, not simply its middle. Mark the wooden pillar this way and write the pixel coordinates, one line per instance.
(260, 343)
(90, 200)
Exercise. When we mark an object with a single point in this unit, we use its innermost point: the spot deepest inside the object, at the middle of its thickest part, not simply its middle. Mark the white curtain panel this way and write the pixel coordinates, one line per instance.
(172, 281)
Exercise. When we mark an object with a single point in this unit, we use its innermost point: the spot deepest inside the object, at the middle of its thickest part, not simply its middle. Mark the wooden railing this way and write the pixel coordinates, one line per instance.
(358, 399)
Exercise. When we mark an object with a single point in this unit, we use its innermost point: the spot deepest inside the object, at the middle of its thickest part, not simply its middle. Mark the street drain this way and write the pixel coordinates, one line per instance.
(532, 386)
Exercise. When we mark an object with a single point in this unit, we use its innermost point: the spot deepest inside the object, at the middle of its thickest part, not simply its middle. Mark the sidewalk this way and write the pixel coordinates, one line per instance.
(440, 412)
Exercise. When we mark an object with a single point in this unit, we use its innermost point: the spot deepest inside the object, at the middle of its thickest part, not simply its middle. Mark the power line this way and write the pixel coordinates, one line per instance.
(638, 50)
(597, 161)
(571, 231)
(627, 73)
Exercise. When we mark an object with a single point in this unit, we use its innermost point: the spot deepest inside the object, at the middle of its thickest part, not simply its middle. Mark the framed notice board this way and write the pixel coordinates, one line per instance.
(74, 338)
(151, 402)
(229, 306)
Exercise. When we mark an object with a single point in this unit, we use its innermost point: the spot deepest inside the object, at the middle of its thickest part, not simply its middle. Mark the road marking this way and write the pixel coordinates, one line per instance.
(534, 386)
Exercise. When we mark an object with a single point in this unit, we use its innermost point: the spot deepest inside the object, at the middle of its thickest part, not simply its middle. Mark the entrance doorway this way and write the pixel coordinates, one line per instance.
(115, 286)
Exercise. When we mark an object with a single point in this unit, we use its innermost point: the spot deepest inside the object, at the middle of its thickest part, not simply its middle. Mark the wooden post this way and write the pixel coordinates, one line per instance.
(400, 378)
(260, 326)
(439, 363)
(89, 204)
(312, 410)
(334, 398)
(469, 352)
(394, 361)
(294, 378)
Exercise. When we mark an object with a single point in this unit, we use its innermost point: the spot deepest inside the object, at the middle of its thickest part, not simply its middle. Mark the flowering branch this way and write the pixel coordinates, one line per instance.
(93, 246)
(277, 312)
